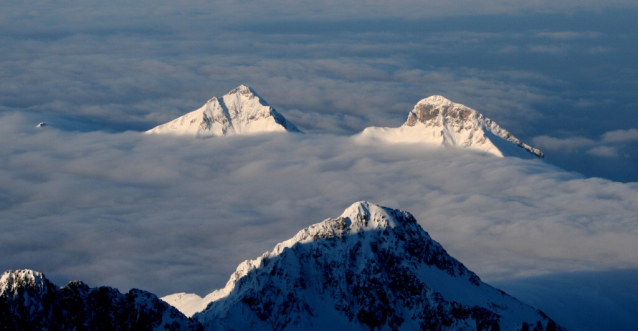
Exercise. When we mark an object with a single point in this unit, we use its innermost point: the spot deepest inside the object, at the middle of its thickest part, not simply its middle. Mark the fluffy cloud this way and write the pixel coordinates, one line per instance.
(620, 136)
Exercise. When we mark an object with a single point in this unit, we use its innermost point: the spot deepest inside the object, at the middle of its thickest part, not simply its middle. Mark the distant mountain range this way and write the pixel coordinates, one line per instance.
(434, 121)
(372, 268)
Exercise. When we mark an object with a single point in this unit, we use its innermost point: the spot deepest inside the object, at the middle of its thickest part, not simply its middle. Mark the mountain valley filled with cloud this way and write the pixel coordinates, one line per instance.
(90, 196)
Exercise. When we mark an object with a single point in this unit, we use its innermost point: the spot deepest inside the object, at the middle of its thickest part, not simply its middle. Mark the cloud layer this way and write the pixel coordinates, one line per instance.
(178, 214)
(168, 215)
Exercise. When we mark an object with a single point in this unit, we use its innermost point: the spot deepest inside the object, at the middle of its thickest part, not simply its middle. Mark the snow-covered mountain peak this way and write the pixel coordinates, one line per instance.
(240, 111)
(436, 100)
(245, 93)
(11, 280)
(366, 216)
(25, 275)
(437, 121)
(243, 89)
(370, 268)
(358, 218)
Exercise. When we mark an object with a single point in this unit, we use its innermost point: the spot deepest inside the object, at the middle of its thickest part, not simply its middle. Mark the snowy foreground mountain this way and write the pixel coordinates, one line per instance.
(371, 268)
(440, 122)
(29, 301)
(241, 111)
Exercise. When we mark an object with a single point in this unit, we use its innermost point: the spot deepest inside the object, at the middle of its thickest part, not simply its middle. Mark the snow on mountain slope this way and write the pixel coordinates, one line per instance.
(440, 122)
(241, 111)
(187, 303)
(371, 268)
(29, 301)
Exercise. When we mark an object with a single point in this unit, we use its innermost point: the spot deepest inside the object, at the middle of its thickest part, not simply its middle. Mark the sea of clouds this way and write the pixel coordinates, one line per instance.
(171, 214)
(90, 197)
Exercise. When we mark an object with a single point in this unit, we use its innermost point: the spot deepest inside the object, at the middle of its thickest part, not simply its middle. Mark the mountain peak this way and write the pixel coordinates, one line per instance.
(11, 280)
(438, 121)
(436, 100)
(240, 111)
(360, 217)
(373, 267)
(366, 216)
(24, 275)
(242, 89)
(436, 110)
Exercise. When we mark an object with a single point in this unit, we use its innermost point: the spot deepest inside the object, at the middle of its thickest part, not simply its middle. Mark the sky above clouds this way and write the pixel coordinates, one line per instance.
(89, 197)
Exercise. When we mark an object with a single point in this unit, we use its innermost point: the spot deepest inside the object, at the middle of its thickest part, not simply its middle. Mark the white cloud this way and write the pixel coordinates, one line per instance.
(620, 136)
(604, 151)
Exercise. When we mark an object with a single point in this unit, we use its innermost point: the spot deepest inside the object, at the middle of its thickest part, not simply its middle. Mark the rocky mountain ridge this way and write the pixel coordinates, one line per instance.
(29, 301)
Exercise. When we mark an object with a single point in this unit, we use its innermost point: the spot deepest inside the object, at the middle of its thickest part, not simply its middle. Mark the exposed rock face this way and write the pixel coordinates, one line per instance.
(241, 111)
(441, 122)
(371, 268)
(29, 301)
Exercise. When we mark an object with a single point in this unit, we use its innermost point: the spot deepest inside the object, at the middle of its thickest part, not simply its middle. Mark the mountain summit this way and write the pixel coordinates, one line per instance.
(240, 111)
(440, 122)
(372, 268)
